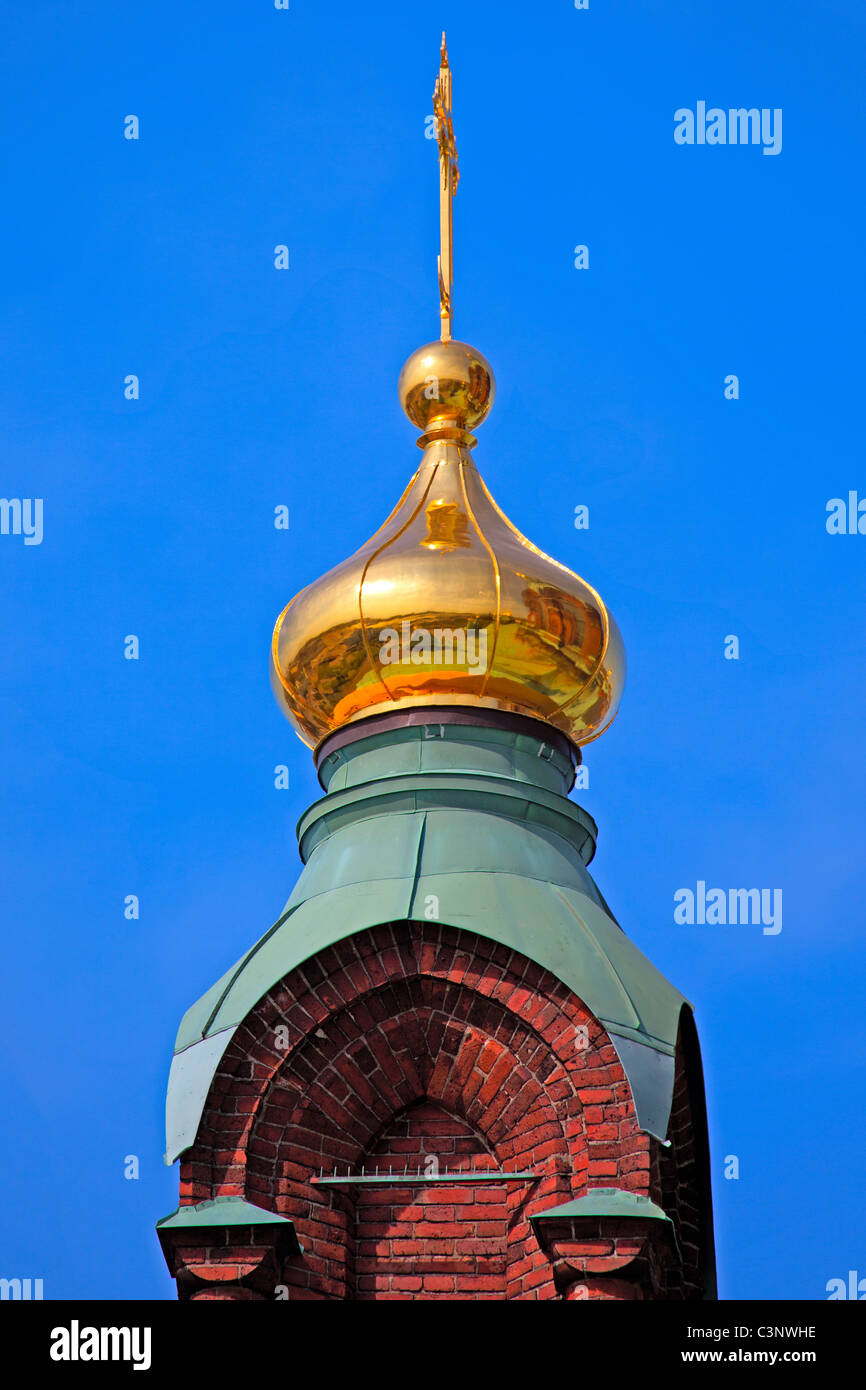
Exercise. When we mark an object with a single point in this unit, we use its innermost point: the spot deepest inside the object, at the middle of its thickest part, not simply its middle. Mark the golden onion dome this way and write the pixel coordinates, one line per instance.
(448, 604)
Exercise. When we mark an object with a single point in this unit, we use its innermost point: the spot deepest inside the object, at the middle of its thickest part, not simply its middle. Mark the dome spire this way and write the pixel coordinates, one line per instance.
(446, 387)
(449, 179)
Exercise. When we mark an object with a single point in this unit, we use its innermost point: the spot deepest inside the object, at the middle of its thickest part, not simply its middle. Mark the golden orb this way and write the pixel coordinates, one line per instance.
(446, 386)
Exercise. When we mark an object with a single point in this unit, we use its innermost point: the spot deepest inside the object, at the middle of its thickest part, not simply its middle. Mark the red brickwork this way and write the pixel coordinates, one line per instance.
(402, 1044)
(434, 1239)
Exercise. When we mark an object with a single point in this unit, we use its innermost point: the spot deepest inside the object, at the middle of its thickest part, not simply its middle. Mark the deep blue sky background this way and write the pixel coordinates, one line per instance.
(260, 387)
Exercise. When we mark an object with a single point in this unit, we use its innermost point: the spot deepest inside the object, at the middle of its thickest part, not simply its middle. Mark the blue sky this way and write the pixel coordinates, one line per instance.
(261, 387)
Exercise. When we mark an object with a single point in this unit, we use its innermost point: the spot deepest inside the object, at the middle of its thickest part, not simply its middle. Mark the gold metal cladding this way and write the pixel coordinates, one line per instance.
(447, 388)
(448, 561)
(449, 178)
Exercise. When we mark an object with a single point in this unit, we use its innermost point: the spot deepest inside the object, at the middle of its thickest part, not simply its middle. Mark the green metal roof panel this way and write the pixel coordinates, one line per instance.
(222, 1211)
(650, 1072)
(562, 926)
(455, 841)
(194, 1021)
(554, 927)
(605, 1201)
(192, 1070)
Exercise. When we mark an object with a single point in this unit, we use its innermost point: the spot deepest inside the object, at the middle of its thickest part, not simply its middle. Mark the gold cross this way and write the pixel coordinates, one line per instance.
(447, 189)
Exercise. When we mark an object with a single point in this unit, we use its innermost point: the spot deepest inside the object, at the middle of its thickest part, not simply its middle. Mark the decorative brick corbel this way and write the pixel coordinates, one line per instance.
(608, 1244)
(226, 1248)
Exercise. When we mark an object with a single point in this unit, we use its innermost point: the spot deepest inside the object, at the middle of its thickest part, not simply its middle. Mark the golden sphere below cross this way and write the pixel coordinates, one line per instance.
(447, 385)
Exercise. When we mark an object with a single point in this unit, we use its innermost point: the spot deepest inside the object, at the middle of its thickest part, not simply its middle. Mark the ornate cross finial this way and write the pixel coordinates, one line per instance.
(450, 177)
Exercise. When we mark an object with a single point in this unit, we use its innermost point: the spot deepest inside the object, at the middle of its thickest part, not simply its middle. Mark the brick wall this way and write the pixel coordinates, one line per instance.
(407, 1039)
(434, 1239)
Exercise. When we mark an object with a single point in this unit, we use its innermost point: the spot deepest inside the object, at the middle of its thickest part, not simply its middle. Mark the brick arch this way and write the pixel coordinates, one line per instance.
(397, 1045)
(391, 1018)
(478, 1069)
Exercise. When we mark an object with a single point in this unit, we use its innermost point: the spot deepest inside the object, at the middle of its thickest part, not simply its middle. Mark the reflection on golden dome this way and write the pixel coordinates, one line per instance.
(447, 526)
(448, 604)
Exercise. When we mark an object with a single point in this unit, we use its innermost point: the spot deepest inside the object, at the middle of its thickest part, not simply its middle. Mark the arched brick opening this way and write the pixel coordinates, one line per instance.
(397, 1045)
(379, 1026)
(431, 1239)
